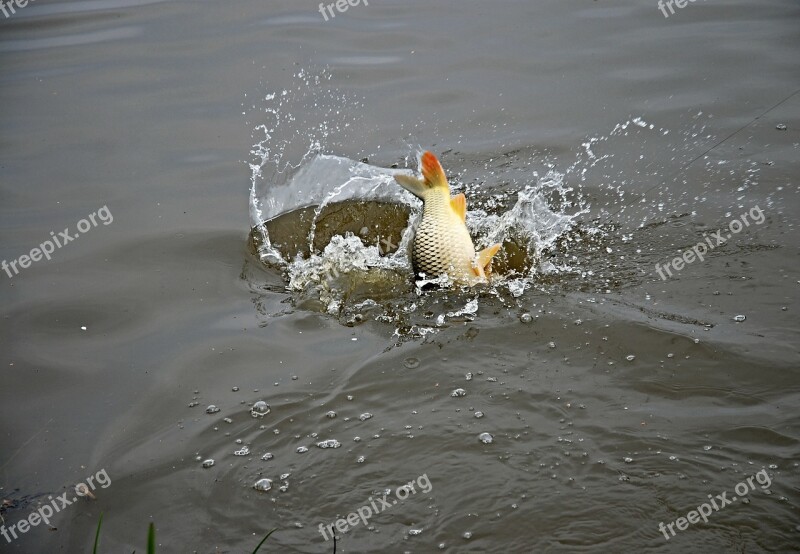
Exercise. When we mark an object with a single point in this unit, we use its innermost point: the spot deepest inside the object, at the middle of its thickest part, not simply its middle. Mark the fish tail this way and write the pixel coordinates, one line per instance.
(432, 170)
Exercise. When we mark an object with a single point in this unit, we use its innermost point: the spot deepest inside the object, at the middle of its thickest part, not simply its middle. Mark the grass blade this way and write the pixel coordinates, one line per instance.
(97, 534)
(151, 539)
(264, 540)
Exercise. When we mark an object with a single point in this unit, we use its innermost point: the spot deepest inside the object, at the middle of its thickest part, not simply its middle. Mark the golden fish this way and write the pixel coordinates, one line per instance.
(442, 244)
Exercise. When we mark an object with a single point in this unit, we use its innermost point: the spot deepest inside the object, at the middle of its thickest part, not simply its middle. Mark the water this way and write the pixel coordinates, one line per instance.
(595, 141)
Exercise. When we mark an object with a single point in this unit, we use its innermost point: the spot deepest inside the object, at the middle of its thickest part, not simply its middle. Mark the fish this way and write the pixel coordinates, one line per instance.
(442, 244)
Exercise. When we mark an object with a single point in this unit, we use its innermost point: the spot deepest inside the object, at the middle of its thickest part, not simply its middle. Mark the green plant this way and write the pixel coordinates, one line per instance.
(151, 538)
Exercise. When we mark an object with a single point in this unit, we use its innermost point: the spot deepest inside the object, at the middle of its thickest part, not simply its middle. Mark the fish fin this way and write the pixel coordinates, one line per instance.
(413, 185)
(432, 170)
(459, 204)
(485, 258)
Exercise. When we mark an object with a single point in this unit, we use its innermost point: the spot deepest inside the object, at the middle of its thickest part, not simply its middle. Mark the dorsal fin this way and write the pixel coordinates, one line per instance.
(432, 170)
(459, 204)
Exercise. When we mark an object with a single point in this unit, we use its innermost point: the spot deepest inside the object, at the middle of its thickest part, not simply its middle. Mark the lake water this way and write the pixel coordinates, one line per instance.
(619, 139)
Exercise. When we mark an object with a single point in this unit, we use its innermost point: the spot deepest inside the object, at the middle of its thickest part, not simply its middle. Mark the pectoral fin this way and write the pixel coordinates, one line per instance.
(484, 258)
(459, 204)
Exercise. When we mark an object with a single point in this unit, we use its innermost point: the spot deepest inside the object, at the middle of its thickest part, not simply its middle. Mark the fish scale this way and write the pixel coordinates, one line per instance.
(442, 244)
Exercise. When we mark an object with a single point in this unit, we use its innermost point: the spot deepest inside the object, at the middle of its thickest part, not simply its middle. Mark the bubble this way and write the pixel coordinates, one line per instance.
(781, 126)
(486, 438)
(263, 485)
(361, 460)
(212, 409)
(227, 420)
(739, 318)
(458, 393)
(208, 463)
(193, 404)
(267, 457)
(479, 414)
(330, 443)
(526, 318)
(301, 449)
(468, 376)
(330, 415)
(707, 447)
(467, 535)
(365, 416)
(260, 409)
(411, 363)
(414, 532)
(235, 389)
(627, 460)
(244, 451)
(551, 344)
(630, 357)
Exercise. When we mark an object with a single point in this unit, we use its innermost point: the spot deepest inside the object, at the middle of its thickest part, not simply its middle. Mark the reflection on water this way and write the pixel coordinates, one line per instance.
(572, 406)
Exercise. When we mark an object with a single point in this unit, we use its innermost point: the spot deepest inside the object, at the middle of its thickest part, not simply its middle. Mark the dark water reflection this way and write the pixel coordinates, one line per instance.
(148, 108)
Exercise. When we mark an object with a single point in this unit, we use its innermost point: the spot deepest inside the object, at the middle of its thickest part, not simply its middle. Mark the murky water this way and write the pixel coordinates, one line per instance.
(239, 345)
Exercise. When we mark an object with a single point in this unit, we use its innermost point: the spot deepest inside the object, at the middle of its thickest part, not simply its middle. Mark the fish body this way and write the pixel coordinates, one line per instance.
(442, 244)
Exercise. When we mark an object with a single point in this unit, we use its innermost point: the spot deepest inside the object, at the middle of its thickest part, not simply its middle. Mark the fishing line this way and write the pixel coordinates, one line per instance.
(683, 170)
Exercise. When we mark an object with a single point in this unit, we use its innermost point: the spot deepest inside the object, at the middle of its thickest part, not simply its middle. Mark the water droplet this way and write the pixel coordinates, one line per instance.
(193, 404)
(361, 460)
(630, 357)
(486, 438)
(263, 485)
(285, 476)
(301, 449)
(330, 443)
(773, 466)
(349, 396)
(458, 393)
(227, 420)
(551, 344)
(467, 535)
(212, 409)
(267, 457)
(411, 363)
(331, 414)
(365, 416)
(479, 414)
(235, 389)
(707, 447)
(670, 355)
(526, 318)
(208, 463)
(739, 318)
(627, 460)
(260, 409)
(780, 126)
